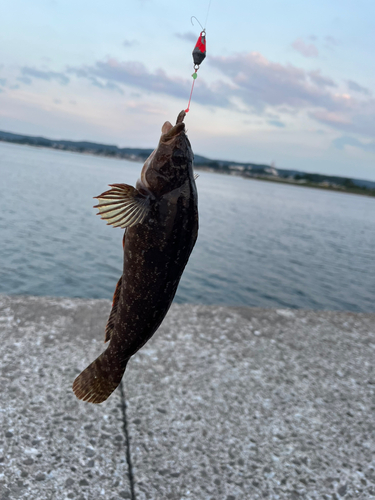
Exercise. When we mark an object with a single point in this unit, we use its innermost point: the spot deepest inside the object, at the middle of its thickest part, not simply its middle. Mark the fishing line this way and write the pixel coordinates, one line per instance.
(191, 93)
(199, 52)
(208, 10)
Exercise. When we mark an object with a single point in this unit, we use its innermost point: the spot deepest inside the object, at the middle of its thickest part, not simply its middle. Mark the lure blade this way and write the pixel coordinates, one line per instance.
(199, 52)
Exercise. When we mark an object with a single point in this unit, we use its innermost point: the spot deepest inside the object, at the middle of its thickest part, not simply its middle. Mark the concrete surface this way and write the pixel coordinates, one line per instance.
(53, 446)
(222, 404)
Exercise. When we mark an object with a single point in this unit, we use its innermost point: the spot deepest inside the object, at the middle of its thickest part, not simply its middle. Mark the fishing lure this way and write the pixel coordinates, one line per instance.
(199, 54)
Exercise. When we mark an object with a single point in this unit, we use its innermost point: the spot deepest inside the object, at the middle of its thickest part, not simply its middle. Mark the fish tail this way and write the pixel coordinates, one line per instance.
(97, 382)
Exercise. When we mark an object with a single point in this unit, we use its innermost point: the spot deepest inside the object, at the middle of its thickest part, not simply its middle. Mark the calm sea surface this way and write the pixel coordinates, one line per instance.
(260, 243)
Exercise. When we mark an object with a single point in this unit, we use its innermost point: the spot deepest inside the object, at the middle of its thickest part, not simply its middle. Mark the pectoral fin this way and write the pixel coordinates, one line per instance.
(122, 206)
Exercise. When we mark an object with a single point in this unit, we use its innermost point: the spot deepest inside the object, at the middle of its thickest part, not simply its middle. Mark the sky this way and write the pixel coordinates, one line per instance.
(287, 82)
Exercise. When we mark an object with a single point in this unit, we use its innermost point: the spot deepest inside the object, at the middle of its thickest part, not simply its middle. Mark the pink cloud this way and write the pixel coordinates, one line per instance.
(307, 50)
(261, 83)
(358, 88)
(331, 118)
(251, 84)
(321, 80)
(135, 74)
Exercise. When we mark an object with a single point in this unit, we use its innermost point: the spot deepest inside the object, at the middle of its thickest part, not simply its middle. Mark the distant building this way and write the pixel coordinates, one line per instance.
(271, 170)
(239, 168)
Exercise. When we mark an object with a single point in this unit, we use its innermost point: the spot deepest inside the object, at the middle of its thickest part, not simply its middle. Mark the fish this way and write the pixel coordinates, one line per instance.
(160, 218)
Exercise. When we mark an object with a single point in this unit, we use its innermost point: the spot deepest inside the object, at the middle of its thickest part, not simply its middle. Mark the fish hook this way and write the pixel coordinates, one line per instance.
(193, 17)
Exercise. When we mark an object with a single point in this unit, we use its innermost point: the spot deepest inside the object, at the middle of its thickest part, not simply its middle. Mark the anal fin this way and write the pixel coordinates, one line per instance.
(112, 317)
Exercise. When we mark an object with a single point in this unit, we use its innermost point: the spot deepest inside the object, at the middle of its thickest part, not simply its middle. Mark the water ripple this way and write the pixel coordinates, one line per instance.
(260, 244)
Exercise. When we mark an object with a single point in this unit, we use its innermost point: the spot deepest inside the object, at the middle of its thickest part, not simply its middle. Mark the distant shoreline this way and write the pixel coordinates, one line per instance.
(254, 171)
(362, 192)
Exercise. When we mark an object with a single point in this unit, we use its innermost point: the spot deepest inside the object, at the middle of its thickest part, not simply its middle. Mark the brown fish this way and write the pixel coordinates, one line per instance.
(161, 220)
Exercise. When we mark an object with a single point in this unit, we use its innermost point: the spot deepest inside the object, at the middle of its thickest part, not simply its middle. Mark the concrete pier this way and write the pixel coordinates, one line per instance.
(223, 403)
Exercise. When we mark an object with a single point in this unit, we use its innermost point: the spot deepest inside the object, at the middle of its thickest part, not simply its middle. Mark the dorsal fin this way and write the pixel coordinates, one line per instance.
(122, 206)
(112, 317)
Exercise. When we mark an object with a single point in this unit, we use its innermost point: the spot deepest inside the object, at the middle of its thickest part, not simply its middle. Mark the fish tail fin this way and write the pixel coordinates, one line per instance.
(97, 382)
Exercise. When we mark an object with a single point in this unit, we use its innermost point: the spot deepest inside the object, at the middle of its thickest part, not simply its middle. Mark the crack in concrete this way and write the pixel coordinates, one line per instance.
(127, 440)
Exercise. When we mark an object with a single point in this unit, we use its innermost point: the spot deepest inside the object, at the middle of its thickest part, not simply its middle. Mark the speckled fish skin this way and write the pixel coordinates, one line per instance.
(156, 252)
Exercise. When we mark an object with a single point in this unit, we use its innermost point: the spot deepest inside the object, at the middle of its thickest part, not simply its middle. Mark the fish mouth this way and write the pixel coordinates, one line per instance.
(169, 131)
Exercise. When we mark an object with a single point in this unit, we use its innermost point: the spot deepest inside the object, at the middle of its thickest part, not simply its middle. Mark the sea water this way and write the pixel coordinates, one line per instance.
(260, 243)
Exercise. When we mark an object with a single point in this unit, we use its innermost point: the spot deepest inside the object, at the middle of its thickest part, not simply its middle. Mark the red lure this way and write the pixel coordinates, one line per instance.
(199, 54)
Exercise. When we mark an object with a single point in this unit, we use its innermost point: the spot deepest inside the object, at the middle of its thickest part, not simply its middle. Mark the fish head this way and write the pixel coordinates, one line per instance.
(171, 164)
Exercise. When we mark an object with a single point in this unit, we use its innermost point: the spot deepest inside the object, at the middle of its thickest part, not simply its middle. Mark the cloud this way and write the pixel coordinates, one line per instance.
(355, 117)
(189, 36)
(141, 107)
(341, 142)
(129, 43)
(330, 40)
(321, 81)
(136, 74)
(309, 50)
(331, 117)
(261, 84)
(3, 82)
(106, 85)
(250, 84)
(25, 79)
(276, 123)
(357, 88)
(44, 75)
